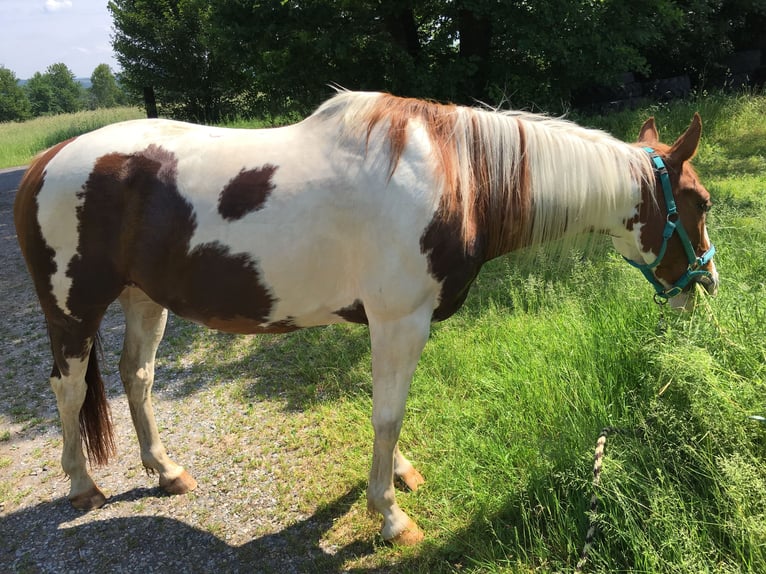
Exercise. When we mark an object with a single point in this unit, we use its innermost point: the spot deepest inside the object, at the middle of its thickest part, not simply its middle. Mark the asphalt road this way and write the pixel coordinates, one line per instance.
(10, 178)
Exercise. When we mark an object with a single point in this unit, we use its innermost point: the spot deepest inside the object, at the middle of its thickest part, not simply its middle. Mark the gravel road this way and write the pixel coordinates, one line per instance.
(236, 521)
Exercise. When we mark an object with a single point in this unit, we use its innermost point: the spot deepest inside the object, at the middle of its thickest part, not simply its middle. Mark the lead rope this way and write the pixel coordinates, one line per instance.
(598, 457)
(598, 454)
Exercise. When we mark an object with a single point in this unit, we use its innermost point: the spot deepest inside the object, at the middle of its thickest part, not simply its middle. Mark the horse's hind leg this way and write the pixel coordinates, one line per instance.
(82, 406)
(407, 473)
(70, 393)
(144, 326)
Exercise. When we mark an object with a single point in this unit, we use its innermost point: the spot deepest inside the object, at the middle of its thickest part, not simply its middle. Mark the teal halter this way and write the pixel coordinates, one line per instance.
(673, 223)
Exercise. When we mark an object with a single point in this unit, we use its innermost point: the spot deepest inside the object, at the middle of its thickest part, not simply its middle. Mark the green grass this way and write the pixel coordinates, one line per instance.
(511, 394)
(21, 141)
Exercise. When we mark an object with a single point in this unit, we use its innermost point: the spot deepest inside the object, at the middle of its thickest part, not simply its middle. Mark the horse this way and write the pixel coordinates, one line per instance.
(374, 209)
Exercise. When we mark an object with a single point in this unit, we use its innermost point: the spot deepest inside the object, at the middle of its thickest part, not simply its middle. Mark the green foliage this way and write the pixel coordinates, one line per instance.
(14, 104)
(40, 94)
(171, 45)
(104, 91)
(208, 60)
(707, 31)
(55, 91)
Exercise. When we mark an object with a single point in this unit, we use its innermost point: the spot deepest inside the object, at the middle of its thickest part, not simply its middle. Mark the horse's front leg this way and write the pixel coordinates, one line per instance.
(144, 326)
(396, 348)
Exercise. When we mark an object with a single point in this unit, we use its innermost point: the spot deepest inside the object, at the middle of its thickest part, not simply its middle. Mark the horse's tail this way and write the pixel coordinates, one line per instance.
(95, 417)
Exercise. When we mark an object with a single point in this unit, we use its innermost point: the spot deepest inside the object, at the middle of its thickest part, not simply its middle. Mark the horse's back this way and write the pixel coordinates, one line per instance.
(243, 230)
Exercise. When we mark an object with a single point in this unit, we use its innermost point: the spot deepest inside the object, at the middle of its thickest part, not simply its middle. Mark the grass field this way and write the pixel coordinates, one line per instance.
(20, 141)
(511, 393)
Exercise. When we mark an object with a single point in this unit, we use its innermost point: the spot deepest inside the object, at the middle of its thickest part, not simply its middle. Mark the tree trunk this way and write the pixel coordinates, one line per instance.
(150, 103)
(475, 43)
(401, 24)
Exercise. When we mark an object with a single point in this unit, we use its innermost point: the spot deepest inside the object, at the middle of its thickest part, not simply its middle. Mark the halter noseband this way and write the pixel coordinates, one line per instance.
(673, 223)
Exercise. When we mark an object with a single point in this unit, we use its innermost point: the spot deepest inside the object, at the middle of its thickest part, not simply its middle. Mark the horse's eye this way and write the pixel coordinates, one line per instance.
(705, 206)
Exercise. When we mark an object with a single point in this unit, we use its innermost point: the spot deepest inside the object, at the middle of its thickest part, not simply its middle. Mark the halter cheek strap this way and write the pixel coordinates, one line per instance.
(694, 271)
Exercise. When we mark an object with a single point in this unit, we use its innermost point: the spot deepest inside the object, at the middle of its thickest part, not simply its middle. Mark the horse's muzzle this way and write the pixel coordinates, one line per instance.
(684, 301)
(709, 283)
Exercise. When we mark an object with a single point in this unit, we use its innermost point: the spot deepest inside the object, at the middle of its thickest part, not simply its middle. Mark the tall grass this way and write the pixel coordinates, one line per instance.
(21, 141)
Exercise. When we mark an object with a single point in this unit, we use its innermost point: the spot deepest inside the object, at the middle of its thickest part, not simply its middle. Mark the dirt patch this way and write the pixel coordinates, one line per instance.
(239, 519)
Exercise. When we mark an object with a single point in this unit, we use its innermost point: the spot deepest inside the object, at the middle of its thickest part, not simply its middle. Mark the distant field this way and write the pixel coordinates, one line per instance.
(20, 141)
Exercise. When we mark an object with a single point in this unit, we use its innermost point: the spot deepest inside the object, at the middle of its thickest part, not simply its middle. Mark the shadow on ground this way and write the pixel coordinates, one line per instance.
(39, 539)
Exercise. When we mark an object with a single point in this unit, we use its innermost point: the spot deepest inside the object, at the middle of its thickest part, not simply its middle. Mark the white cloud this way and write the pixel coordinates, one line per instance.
(56, 5)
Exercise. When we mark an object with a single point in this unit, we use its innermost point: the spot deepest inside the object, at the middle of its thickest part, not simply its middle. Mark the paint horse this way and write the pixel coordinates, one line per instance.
(375, 210)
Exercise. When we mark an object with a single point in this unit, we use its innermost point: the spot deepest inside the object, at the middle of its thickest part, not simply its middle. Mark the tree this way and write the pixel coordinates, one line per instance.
(14, 105)
(708, 31)
(294, 49)
(104, 91)
(171, 46)
(69, 95)
(206, 59)
(39, 91)
(54, 92)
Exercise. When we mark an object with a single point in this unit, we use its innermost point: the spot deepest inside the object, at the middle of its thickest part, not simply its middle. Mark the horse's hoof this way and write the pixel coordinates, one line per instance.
(410, 536)
(88, 500)
(181, 484)
(412, 479)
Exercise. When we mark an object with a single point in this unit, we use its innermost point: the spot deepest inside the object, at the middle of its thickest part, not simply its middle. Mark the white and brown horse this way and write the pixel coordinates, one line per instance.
(374, 209)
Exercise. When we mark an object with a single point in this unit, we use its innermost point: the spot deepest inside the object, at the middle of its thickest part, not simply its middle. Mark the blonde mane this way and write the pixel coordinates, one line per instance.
(522, 179)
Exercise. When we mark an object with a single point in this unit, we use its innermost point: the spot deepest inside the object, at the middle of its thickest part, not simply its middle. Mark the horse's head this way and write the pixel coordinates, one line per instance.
(668, 237)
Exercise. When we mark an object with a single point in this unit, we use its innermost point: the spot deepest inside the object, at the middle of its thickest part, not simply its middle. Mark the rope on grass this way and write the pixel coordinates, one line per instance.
(598, 457)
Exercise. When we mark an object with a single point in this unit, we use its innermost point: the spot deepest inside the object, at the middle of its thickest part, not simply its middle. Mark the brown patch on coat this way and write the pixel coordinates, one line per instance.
(500, 210)
(37, 254)
(354, 313)
(245, 326)
(449, 262)
(246, 192)
(136, 228)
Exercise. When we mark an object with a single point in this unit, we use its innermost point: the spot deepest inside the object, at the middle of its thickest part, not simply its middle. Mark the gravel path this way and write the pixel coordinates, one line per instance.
(238, 520)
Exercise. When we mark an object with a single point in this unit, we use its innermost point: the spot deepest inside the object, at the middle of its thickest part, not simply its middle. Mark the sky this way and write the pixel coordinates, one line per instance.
(37, 33)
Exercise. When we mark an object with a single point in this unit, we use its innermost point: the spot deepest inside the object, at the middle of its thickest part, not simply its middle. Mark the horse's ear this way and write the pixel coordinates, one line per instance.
(648, 135)
(686, 146)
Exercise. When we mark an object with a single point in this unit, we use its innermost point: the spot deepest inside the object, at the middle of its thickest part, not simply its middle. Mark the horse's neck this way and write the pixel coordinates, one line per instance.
(561, 213)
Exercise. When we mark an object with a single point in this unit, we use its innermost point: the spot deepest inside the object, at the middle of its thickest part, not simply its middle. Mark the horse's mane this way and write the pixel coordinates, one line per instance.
(522, 178)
